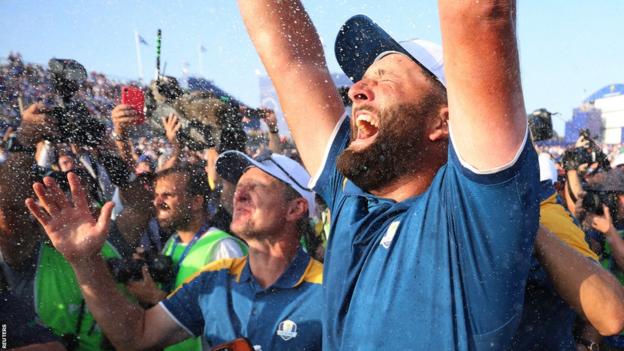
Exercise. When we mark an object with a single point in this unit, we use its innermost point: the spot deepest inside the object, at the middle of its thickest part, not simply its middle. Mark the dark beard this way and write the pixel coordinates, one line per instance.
(399, 148)
(179, 222)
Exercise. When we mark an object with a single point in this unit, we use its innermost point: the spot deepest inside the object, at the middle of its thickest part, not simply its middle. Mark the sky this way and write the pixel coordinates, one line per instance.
(568, 49)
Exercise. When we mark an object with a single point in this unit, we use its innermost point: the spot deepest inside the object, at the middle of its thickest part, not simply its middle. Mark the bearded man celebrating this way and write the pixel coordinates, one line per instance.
(431, 182)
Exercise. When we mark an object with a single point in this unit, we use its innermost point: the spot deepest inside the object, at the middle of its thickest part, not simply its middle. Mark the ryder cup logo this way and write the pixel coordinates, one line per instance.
(389, 236)
(287, 330)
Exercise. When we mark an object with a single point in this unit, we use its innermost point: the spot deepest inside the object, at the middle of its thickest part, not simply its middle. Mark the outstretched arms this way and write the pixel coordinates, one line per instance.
(486, 106)
(77, 235)
(292, 54)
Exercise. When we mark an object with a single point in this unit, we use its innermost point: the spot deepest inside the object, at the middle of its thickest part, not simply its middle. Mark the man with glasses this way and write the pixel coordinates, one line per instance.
(271, 296)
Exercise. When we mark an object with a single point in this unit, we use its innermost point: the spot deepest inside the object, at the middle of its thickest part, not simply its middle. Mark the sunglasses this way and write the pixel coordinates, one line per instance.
(267, 155)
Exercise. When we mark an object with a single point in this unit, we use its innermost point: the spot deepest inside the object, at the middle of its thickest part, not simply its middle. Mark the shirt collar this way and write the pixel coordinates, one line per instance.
(290, 278)
(350, 189)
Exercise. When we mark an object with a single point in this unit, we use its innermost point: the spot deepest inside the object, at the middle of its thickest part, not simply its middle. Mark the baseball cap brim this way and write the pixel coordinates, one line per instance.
(359, 43)
(232, 164)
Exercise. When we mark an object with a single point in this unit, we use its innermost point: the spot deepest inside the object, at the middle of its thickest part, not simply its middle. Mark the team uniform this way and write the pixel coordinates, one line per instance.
(547, 320)
(444, 270)
(223, 302)
(209, 245)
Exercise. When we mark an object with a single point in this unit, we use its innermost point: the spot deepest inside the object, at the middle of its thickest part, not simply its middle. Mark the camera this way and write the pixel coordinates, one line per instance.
(576, 157)
(75, 124)
(594, 200)
(606, 191)
(206, 119)
(160, 268)
(540, 124)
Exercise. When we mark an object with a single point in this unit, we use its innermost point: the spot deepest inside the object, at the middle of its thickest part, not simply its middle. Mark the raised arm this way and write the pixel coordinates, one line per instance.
(172, 126)
(486, 107)
(275, 144)
(292, 54)
(124, 117)
(79, 237)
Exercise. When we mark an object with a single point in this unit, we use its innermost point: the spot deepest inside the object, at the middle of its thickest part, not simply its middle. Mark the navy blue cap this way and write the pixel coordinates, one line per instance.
(360, 42)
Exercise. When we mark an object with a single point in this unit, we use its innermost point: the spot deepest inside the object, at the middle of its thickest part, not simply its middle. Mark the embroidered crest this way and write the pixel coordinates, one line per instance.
(287, 330)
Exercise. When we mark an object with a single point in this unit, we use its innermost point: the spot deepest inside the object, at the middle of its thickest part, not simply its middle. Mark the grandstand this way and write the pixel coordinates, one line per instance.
(602, 113)
(29, 82)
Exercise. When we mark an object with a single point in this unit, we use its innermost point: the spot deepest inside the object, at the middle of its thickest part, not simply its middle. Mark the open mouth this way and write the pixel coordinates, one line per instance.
(366, 125)
(367, 128)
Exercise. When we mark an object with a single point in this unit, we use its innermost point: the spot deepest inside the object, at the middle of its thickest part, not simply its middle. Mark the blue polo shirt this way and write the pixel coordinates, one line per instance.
(444, 270)
(223, 302)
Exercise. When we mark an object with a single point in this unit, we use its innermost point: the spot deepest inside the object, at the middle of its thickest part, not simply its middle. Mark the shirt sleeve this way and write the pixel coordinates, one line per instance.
(493, 219)
(227, 248)
(328, 182)
(182, 305)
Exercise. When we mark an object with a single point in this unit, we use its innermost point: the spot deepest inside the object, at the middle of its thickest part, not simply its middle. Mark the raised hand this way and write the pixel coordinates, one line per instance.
(146, 290)
(36, 125)
(124, 118)
(604, 223)
(172, 125)
(270, 119)
(68, 222)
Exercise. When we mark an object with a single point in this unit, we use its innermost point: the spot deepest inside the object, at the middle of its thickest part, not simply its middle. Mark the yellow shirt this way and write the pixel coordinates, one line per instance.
(559, 221)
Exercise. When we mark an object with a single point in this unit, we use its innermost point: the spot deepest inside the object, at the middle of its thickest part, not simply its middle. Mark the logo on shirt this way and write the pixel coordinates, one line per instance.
(389, 236)
(287, 330)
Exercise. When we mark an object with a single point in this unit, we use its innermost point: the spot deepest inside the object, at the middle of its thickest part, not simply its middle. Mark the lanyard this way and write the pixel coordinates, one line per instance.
(187, 249)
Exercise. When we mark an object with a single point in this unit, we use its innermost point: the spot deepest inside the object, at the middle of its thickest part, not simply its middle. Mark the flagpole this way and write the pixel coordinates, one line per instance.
(201, 63)
(138, 54)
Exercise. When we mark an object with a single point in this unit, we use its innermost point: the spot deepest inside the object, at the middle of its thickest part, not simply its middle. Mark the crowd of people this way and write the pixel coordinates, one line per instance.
(31, 83)
(417, 215)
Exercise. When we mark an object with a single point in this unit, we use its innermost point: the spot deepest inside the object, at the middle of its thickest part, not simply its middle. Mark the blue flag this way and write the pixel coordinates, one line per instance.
(142, 40)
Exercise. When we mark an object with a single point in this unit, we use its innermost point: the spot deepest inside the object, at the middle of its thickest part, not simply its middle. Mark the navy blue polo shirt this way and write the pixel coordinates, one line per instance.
(444, 270)
(223, 302)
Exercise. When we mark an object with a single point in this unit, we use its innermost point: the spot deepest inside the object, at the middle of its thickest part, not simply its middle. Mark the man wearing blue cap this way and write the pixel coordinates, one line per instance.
(431, 182)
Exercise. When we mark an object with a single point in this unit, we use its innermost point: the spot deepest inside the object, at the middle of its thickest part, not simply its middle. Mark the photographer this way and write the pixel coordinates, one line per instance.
(564, 280)
(605, 214)
(585, 164)
(32, 267)
(82, 131)
(180, 195)
(595, 194)
(135, 225)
